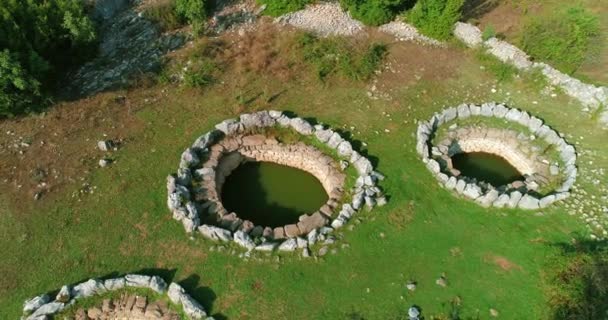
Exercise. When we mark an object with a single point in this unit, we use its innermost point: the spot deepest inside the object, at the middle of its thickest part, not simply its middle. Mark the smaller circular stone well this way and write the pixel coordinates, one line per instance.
(195, 192)
(531, 180)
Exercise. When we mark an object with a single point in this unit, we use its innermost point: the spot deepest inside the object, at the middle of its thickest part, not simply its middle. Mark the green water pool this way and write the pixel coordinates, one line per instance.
(487, 167)
(271, 194)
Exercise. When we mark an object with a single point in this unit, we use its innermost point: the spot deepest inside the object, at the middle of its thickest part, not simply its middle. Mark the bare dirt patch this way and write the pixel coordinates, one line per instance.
(502, 262)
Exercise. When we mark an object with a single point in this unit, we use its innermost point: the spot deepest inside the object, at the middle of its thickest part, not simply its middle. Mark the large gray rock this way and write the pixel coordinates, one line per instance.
(323, 135)
(514, 198)
(115, 283)
(230, 126)
(189, 159)
(88, 289)
(35, 303)
(215, 233)
(260, 119)
(48, 309)
(267, 246)
(472, 191)
(301, 126)
(192, 308)
(363, 166)
(546, 201)
(502, 201)
(528, 202)
(463, 111)
(433, 166)
(244, 240)
(488, 199)
(289, 245)
(335, 140)
(207, 140)
(64, 295)
(345, 149)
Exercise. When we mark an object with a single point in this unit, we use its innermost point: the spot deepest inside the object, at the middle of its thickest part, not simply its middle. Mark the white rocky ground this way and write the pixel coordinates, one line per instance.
(325, 19)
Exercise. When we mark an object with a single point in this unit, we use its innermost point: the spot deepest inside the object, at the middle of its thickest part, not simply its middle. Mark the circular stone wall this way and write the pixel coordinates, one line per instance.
(513, 146)
(45, 307)
(194, 193)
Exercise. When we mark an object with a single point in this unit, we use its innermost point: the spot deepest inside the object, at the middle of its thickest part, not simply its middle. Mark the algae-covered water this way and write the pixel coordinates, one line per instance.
(270, 194)
(486, 167)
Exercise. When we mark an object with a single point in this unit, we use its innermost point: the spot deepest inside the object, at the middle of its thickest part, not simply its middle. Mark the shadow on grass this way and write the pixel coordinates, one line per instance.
(578, 283)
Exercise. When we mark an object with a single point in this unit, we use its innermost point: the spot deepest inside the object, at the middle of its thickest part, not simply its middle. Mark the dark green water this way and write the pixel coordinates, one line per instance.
(486, 167)
(272, 195)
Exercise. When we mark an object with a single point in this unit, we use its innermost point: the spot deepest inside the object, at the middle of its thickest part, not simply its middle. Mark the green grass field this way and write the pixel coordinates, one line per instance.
(492, 258)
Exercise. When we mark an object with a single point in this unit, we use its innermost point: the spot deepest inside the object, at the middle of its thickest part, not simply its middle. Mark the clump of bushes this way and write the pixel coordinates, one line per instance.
(562, 40)
(277, 8)
(172, 14)
(375, 12)
(335, 56)
(436, 18)
(194, 12)
(40, 39)
(164, 15)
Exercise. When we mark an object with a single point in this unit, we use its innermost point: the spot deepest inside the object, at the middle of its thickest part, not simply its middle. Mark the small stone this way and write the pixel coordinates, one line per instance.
(104, 162)
(493, 312)
(442, 282)
(106, 145)
(323, 251)
(411, 285)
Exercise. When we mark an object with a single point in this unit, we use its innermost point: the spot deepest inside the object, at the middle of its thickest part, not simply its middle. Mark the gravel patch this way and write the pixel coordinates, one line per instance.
(325, 19)
(405, 32)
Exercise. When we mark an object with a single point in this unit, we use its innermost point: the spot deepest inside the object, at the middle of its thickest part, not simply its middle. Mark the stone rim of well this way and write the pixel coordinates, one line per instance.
(200, 162)
(522, 196)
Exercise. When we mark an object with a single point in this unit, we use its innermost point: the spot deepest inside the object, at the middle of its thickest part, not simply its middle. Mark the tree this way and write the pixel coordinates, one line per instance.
(436, 18)
(17, 89)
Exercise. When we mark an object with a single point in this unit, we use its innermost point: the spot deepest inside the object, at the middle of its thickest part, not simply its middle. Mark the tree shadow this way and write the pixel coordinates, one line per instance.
(579, 287)
(475, 9)
(204, 295)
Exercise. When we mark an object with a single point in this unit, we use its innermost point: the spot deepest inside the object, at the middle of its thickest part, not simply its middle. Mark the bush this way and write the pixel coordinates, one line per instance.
(194, 12)
(277, 8)
(488, 33)
(374, 12)
(436, 18)
(562, 40)
(17, 89)
(165, 16)
(39, 37)
(334, 56)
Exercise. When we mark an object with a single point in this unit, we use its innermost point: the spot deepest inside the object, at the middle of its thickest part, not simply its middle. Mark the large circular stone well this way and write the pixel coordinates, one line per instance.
(195, 192)
(534, 176)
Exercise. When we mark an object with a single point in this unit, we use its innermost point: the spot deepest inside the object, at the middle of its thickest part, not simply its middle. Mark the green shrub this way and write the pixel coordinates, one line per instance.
(165, 16)
(502, 71)
(277, 8)
(40, 39)
(17, 89)
(334, 56)
(488, 33)
(374, 12)
(193, 11)
(562, 40)
(436, 18)
(364, 67)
